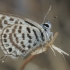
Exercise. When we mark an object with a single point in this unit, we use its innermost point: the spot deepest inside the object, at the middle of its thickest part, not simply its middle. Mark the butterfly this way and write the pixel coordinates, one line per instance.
(18, 36)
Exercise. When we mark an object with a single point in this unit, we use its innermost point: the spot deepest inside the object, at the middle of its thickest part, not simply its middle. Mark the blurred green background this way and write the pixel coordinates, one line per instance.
(36, 10)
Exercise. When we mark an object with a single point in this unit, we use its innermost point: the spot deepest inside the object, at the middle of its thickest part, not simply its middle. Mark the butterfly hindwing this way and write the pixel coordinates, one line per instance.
(20, 39)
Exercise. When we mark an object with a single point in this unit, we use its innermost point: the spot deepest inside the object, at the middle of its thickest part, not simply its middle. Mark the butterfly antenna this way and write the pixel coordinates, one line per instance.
(4, 59)
(53, 18)
(1, 57)
(47, 13)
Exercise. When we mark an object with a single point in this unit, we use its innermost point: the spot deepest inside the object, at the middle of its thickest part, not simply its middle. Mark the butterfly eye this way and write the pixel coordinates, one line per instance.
(46, 25)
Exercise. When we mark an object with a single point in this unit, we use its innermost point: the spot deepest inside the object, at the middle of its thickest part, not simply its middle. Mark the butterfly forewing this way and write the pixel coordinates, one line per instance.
(9, 20)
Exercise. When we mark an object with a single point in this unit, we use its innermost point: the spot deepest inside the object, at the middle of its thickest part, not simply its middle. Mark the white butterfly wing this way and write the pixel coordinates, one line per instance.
(20, 39)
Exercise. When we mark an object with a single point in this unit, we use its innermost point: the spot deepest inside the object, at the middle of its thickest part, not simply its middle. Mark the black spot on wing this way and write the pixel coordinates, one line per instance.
(29, 41)
(36, 35)
(20, 27)
(28, 29)
(7, 45)
(5, 22)
(7, 30)
(14, 35)
(17, 39)
(22, 42)
(21, 23)
(16, 22)
(19, 31)
(5, 40)
(29, 36)
(30, 23)
(29, 46)
(11, 19)
(10, 49)
(1, 26)
(34, 44)
(23, 50)
(3, 17)
(23, 45)
(5, 35)
(23, 36)
(42, 36)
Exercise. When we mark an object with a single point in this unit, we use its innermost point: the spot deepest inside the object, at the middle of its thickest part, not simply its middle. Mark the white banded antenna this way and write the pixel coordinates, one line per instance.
(47, 13)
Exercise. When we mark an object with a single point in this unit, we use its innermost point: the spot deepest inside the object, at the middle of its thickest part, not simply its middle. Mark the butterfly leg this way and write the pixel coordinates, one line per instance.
(5, 56)
(51, 35)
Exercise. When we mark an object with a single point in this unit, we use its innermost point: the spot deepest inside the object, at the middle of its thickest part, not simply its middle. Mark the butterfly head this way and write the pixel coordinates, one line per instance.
(46, 26)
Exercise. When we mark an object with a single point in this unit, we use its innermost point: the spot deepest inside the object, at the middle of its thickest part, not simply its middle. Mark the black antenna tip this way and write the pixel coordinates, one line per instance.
(55, 17)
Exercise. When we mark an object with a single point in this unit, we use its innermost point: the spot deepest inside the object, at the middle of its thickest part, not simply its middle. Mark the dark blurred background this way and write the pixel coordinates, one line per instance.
(36, 10)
